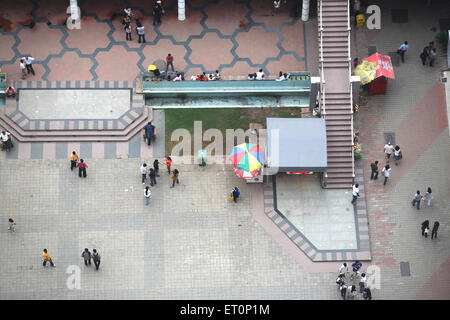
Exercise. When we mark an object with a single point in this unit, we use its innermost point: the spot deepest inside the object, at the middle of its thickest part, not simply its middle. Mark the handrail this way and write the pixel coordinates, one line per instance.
(350, 85)
(322, 74)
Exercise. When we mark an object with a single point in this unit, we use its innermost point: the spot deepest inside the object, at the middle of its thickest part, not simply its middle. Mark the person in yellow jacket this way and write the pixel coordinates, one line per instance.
(46, 257)
(73, 160)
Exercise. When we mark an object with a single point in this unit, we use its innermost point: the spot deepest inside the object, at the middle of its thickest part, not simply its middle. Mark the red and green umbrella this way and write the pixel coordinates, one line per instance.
(247, 160)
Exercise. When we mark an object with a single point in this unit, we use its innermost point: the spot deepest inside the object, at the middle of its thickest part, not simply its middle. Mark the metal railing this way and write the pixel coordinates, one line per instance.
(350, 85)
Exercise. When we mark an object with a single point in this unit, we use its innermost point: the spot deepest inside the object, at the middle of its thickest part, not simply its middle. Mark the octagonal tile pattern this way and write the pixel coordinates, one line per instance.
(257, 45)
(90, 36)
(31, 41)
(70, 64)
(236, 36)
(218, 51)
(226, 16)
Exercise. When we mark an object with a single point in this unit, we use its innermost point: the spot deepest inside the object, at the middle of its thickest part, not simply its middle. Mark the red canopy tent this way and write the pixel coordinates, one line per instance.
(384, 70)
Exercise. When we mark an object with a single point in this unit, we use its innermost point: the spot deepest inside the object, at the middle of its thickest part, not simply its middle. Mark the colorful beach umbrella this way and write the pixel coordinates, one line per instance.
(151, 67)
(247, 160)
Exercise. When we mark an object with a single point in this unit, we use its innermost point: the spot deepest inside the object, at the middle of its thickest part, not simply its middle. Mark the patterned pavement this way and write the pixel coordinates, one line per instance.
(413, 112)
(241, 37)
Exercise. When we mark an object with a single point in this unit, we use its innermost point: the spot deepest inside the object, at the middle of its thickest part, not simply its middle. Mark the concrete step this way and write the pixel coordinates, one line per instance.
(340, 164)
(339, 148)
(338, 122)
(335, 112)
(342, 160)
(338, 65)
(337, 117)
(59, 135)
(332, 38)
(347, 139)
(328, 45)
(343, 55)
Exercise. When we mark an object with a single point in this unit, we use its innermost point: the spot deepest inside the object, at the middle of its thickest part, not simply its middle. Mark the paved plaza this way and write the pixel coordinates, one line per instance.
(191, 242)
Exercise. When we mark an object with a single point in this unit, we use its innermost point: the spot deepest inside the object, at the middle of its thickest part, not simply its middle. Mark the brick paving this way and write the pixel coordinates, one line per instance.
(414, 110)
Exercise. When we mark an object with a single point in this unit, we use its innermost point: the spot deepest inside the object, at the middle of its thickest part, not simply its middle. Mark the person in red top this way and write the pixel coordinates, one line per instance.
(169, 62)
(82, 168)
(168, 164)
(202, 77)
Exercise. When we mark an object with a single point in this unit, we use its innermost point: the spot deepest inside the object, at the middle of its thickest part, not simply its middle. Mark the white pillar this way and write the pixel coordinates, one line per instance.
(181, 10)
(305, 10)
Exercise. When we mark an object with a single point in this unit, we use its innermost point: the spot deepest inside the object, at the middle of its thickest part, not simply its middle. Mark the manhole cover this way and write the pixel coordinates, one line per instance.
(399, 15)
(404, 269)
(389, 137)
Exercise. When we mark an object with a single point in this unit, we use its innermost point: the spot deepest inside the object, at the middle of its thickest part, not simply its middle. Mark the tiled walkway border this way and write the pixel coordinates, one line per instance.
(21, 119)
(361, 224)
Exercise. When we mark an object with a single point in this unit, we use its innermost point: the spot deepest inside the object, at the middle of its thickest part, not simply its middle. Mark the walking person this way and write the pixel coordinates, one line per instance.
(425, 54)
(402, 50)
(29, 64)
(416, 199)
(23, 68)
(432, 56)
(374, 168)
(147, 195)
(128, 31)
(355, 193)
(46, 258)
(362, 282)
(435, 230)
(175, 175)
(156, 167)
(86, 255)
(276, 6)
(343, 289)
(149, 131)
(235, 193)
(168, 164)
(169, 62)
(425, 226)
(151, 175)
(73, 160)
(428, 196)
(11, 225)
(387, 173)
(5, 139)
(144, 172)
(157, 12)
(397, 154)
(141, 32)
(96, 258)
(82, 168)
(388, 148)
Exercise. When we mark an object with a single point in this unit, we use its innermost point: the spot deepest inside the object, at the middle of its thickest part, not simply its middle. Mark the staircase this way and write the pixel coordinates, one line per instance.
(336, 91)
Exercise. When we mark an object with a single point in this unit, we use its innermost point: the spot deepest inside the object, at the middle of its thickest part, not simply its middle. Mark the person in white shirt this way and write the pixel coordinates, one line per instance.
(29, 64)
(397, 154)
(23, 68)
(362, 282)
(428, 196)
(217, 75)
(144, 172)
(6, 140)
(276, 5)
(401, 51)
(388, 148)
(355, 193)
(260, 75)
(127, 11)
(283, 76)
(387, 173)
(141, 32)
(147, 194)
(343, 269)
(178, 77)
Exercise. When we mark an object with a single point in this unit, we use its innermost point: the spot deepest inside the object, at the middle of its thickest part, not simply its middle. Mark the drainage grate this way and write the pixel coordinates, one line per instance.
(404, 269)
(395, 58)
(399, 15)
(389, 136)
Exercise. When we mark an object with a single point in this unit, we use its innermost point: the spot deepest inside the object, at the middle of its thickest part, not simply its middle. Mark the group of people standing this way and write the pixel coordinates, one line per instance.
(158, 11)
(153, 173)
(349, 291)
(428, 55)
(26, 66)
(76, 162)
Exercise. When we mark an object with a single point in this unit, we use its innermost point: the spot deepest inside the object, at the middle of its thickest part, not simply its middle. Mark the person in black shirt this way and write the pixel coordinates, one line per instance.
(374, 167)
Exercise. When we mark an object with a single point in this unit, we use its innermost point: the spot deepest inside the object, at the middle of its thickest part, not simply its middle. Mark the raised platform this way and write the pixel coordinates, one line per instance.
(74, 111)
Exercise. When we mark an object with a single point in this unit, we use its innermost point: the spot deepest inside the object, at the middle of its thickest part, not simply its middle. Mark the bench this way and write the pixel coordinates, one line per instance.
(299, 85)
